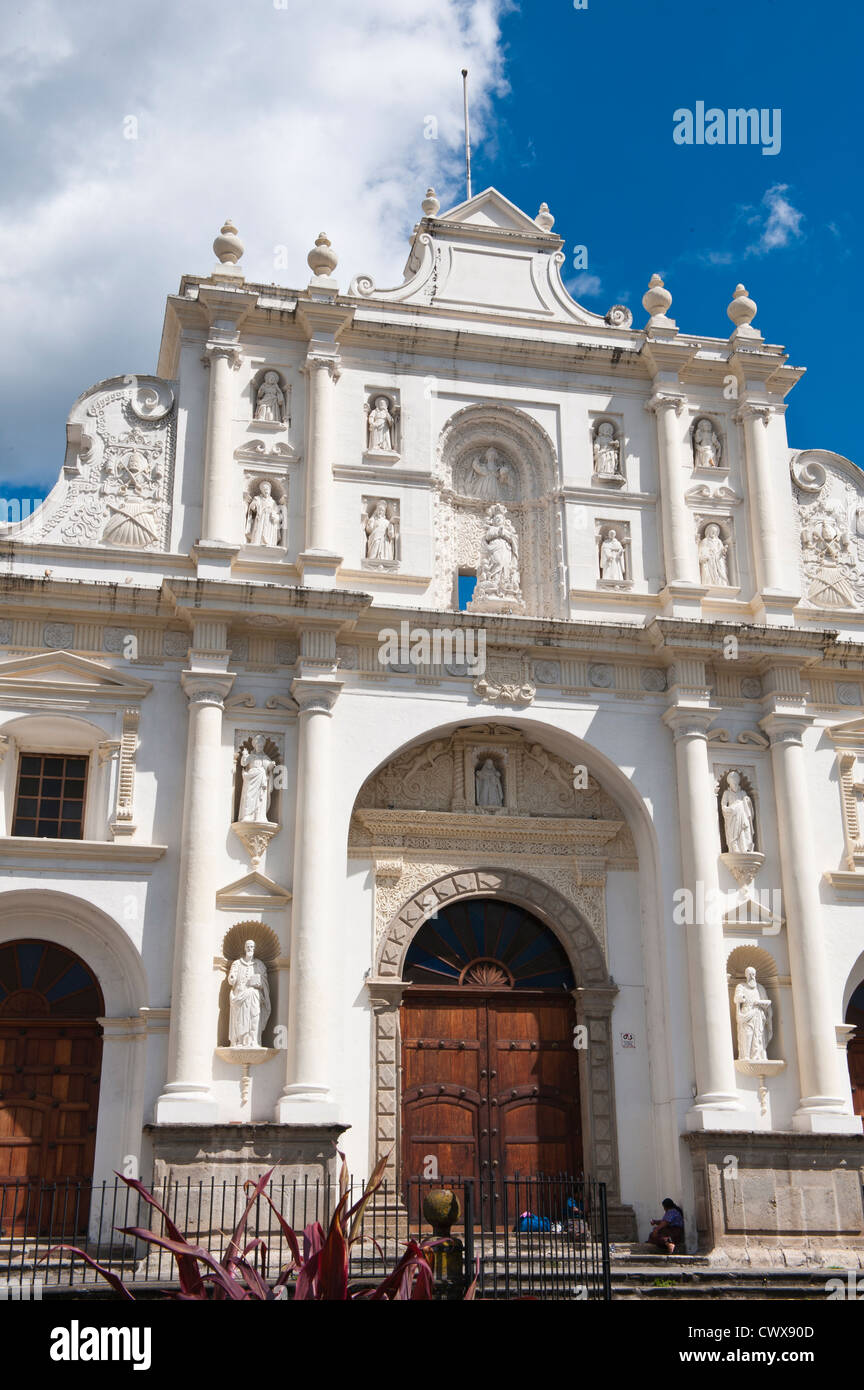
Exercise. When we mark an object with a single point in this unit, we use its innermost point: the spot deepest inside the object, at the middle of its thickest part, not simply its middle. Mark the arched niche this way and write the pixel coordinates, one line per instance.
(498, 453)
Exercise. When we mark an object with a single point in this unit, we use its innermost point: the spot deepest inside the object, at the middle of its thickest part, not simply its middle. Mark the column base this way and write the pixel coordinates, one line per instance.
(186, 1105)
(307, 1105)
(825, 1115)
(682, 600)
(722, 1111)
(318, 568)
(214, 558)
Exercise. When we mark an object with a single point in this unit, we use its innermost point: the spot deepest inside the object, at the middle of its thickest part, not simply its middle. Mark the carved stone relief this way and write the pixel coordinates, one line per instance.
(379, 519)
(381, 411)
(831, 520)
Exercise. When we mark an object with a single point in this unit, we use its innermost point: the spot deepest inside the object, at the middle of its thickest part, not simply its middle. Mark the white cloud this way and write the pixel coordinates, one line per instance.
(780, 226)
(283, 122)
(585, 286)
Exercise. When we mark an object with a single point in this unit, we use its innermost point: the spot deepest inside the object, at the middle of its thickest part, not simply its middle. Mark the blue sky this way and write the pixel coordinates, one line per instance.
(574, 107)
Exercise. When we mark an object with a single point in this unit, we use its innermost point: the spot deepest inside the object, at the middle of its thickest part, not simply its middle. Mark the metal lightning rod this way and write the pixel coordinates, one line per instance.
(467, 131)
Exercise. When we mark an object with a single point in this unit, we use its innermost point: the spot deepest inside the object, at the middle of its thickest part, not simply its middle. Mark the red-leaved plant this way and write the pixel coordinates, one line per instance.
(320, 1272)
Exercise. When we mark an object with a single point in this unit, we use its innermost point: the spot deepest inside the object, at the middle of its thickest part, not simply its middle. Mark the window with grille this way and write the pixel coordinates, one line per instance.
(49, 800)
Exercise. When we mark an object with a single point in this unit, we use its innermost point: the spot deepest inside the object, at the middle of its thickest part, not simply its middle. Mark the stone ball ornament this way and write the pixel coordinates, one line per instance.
(742, 309)
(441, 1209)
(322, 259)
(656, 299)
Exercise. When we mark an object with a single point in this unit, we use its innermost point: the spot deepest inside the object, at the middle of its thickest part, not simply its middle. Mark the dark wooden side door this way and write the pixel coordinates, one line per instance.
(490, 1086)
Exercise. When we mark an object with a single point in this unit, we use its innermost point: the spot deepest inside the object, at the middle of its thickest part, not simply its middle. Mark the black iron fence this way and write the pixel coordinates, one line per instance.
(533, 1237)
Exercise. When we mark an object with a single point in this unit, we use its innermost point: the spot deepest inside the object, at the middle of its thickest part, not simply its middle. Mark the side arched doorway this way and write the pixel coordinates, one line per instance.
(490, 1077)
(855, 1049)
(50, 1070)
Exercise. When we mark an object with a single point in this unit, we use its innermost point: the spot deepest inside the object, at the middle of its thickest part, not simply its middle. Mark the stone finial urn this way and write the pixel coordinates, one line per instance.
(656, 299)
(441, 1209)
(322, 259)
(228, 246)
(742, 310)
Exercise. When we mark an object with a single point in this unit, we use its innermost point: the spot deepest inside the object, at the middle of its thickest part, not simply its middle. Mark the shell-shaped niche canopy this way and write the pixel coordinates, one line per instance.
(497, 453)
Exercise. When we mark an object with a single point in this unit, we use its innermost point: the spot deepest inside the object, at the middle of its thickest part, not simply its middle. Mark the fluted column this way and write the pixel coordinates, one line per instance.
(823, 1107)
(717, 1105)
(306, 1097)
(187, 1097)
(219, 522)
(762, 486)
(679, 541)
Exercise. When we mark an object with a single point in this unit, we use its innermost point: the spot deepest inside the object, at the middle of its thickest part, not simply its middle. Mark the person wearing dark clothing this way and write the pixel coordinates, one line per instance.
(668, 1229)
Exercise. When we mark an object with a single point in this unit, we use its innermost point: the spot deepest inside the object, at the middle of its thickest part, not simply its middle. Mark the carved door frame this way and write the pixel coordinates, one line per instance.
(594, 995)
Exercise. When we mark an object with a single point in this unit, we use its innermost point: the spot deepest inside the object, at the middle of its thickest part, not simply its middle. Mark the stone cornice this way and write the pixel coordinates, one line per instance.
(579, 835)
(110, 851)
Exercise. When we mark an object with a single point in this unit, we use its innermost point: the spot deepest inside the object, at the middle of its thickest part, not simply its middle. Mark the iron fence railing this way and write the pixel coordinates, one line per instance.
(538, 1237)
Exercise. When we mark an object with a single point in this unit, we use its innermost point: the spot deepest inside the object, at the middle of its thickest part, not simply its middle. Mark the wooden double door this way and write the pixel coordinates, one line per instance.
(50, 1067)
(490, 1085)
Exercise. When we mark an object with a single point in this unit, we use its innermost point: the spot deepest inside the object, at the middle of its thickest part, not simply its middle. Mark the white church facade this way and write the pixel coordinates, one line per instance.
(432, 720)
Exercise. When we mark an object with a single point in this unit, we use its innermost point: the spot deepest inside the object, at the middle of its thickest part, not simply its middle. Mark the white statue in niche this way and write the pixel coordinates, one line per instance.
(266, 519)
(607, 452)
(739, 818)
(380, 530)
(707, 449)
(490, 475)
(250, 999)
(612, 558)
(270, 400)
(489, 790)
(713, 550)
(499, 564)
(380, 423)
(754, 1016)
(258, 771)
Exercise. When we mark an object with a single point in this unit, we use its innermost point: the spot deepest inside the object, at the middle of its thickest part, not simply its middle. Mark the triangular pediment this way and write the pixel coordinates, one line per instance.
(850, 734)
(491, 209)
(255, 892)
(67, 674)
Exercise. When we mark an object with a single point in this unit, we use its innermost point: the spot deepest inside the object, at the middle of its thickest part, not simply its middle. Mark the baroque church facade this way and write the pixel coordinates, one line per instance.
(432, 721)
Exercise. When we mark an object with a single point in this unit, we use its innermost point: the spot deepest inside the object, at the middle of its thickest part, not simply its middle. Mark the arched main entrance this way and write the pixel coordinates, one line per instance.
(855, 1049)
(490, 1080)
(50, 1067)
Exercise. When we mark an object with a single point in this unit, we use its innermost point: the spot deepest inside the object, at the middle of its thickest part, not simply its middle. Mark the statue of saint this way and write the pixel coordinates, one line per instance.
(488, 788)
(379, 531)
(258, 770)
(612, 558)
(380, 423)
(713, 550)
(266, 519)
(607, 452)
(249, 1001)
(270, 400)
(489, 475)
(707, 449)
(499, 565)
(739, 818)
(754, 1015)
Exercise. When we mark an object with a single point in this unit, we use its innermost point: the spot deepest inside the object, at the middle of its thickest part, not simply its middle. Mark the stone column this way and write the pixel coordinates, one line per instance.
(323, 320)
(679, 539)
(187, 1097)
(306, 1097)
(717, 1105)
(762, 483)
(322, 374)
(226, 306)
(219, 519)
(823, 1107)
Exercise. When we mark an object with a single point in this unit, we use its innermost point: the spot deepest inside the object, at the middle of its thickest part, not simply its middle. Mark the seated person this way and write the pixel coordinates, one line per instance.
(668, 1232)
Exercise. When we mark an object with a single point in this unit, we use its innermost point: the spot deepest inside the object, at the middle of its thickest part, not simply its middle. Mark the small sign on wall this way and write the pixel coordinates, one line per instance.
(628, 1040)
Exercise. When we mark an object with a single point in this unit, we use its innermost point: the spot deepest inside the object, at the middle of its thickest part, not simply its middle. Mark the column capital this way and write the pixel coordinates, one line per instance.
(230, 351)
(786, 730)
(207, 687)
(666, 400)
(323, 362)
(686, 722)
(753, 410)
(316, 696)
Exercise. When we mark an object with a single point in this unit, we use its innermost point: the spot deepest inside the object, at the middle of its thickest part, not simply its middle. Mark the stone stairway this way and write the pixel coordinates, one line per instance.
(661, 1278)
